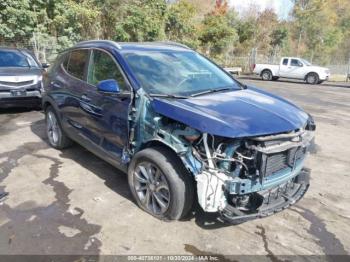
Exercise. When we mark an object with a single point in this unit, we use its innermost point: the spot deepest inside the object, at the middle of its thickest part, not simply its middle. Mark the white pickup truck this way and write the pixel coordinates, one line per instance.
(295, 68)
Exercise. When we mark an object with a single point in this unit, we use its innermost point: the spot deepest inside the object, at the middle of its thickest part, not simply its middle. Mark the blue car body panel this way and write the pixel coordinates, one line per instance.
(242, 113)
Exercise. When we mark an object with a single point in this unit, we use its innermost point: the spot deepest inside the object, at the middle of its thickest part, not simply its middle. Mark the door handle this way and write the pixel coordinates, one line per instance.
(89, 109)
(85, 98)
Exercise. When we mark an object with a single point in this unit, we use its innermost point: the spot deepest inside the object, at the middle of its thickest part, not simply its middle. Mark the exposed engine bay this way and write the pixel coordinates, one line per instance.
(239, 176)
(245, 177)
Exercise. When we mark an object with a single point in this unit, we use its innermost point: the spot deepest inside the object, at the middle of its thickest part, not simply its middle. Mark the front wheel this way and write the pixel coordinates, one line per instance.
(312, 78)
(160, 183)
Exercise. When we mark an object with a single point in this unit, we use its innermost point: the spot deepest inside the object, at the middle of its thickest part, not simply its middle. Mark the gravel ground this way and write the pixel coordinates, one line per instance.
(71, 202)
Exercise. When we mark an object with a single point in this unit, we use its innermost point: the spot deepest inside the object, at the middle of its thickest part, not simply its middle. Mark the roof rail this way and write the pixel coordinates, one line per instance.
(174, 44)
(117, 45)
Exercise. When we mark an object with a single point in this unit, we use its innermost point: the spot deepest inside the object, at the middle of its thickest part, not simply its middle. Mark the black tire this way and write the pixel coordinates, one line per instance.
(62, 141)
(179, 181)
(275, 78)
(320, 82)
(312, 78)
(266, 75)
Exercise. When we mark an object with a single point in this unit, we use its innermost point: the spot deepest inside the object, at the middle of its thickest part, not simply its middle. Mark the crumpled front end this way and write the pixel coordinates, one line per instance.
(252, 177)
(241, 178)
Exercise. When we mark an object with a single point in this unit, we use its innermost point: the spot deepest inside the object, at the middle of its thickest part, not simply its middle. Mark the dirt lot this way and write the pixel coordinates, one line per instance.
(71, 202)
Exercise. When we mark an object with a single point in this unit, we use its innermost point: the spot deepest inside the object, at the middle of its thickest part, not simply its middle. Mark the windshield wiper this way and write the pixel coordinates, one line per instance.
(168, 96)
(215, 90)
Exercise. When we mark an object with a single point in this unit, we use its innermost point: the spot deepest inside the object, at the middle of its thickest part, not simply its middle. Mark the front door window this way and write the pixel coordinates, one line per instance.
(103, 67)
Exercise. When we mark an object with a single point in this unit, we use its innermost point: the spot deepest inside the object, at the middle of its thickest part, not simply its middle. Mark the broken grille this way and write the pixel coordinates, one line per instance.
(273, 163)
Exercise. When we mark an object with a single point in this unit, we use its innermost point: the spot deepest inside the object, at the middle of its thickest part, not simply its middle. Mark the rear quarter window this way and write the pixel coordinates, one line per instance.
(60, 60)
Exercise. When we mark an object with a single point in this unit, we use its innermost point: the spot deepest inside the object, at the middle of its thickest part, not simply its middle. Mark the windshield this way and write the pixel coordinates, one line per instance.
(15, 58)
(180, 73)
(306, 62)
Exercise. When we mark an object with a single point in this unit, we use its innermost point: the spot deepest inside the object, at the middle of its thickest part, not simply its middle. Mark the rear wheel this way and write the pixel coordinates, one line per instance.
(55, 134)
(266, 75)
(312, 78)
(160, 183)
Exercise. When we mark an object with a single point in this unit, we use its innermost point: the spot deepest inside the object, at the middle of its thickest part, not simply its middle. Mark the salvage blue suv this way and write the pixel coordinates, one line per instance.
(181, 127)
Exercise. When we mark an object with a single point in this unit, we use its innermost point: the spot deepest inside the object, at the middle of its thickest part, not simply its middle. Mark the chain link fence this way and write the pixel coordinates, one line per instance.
(46, 50)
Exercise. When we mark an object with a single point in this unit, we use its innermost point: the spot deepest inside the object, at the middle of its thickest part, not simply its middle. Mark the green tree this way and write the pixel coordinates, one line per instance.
(179, 24)
(142, 21)
(217, 36)
(17, 20)
(318, 29)
(112, 11)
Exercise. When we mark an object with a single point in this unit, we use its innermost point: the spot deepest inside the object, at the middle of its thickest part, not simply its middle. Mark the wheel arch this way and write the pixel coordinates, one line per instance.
(311, 72)
(181, 184)
(49, 101)
(183, 156)
(46, 104)
(156, 143)
(266, 69)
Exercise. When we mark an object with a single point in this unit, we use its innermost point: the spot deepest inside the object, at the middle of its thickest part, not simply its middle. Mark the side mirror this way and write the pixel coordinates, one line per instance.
(45, 65)
(108, 86)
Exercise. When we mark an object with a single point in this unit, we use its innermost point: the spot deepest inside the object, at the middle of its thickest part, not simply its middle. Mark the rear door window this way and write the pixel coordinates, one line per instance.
(77, 63)
(285, 61)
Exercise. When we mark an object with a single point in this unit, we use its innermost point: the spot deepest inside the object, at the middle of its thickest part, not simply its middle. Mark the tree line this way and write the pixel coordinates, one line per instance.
(316, 29)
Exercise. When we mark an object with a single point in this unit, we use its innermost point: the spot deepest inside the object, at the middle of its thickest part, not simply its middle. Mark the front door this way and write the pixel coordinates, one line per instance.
(297, 70)
(107, 113)
(292, 68)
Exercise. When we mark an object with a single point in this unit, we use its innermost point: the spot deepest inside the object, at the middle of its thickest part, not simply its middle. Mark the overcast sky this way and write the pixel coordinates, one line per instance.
(282, 7)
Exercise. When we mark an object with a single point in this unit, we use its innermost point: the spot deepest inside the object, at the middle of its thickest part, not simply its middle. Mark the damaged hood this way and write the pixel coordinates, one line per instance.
(242, 113)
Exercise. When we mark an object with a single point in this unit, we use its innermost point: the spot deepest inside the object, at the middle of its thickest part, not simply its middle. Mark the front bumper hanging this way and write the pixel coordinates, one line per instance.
(274, 200)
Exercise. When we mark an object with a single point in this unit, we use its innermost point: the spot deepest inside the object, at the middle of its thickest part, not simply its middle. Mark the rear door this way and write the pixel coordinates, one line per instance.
(107, 113)
(284, 67)
(72, 85)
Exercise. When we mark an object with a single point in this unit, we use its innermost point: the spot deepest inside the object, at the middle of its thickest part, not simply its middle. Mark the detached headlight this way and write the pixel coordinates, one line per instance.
(310, 124)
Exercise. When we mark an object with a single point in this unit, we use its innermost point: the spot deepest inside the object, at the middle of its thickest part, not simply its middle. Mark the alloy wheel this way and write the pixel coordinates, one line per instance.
(311, 79)
(266, 75)
(52, 128)
(151, 188)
